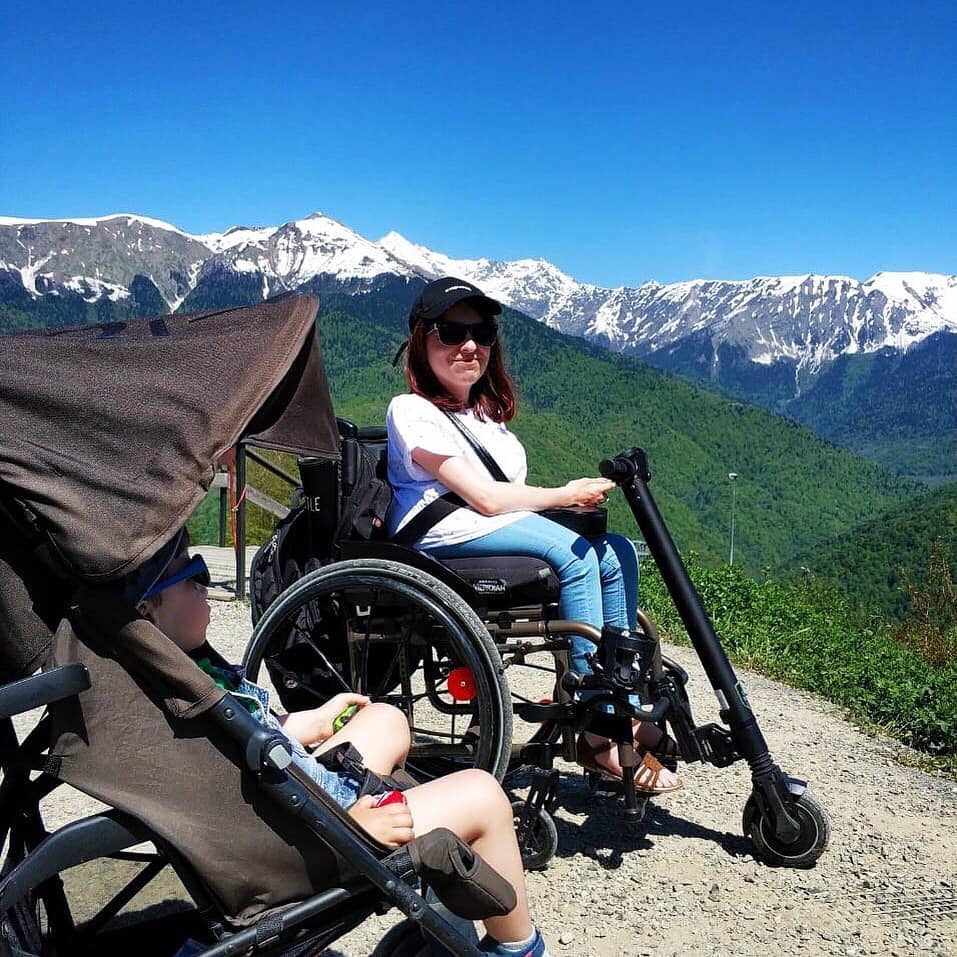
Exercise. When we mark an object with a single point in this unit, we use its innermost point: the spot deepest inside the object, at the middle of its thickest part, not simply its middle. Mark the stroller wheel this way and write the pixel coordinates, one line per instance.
(541, 841)
(815, 833)
(403, 940)
(406, 939)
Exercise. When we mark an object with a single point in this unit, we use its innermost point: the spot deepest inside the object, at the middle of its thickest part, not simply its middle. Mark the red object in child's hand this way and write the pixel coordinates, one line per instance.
(390, 797)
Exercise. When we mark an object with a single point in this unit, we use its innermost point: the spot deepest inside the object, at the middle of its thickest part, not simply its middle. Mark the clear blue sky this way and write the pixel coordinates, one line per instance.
(621, 142)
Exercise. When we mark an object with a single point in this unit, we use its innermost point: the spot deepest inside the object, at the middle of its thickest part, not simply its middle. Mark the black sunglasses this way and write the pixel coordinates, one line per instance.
(455, 333)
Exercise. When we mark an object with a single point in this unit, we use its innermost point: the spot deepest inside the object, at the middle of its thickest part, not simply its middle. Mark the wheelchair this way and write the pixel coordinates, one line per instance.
(476, 655)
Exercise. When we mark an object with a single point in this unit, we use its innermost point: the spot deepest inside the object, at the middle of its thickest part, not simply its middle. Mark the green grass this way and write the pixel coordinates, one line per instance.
(809, 636)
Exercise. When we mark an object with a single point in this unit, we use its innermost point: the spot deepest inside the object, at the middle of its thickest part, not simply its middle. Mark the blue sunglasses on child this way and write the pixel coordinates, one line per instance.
(196, 570)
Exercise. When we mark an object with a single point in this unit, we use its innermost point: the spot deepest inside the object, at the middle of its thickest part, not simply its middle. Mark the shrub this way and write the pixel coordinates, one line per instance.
(930, 627)
(809, 636)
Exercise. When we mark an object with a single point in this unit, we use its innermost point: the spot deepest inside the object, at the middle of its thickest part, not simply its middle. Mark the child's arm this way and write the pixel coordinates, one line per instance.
(315, 725)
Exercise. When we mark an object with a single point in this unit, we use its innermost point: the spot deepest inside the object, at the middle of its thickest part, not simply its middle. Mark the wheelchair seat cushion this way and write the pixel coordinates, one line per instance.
(505, 581)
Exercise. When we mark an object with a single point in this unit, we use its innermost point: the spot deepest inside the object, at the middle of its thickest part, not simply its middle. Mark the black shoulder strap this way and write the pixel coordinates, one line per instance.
(432, 514)
(484, 457)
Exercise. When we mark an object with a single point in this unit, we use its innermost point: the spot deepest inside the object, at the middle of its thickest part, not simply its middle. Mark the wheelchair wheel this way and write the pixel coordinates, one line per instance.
(398, 635)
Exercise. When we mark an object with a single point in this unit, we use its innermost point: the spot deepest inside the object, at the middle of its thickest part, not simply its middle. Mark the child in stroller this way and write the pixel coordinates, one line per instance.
(470, 803)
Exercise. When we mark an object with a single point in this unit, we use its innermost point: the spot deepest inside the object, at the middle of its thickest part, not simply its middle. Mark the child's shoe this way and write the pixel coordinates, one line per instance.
(534, 947)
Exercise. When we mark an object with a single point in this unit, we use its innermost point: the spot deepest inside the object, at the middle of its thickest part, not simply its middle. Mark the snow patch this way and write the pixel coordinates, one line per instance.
(98, 220)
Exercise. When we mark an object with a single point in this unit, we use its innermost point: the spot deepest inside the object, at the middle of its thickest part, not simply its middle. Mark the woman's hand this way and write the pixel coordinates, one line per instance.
(315, 725)
(588, 491)
(390, 824)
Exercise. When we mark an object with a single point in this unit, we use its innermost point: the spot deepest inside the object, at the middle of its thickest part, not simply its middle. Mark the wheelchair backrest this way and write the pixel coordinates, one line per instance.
(347, 500)
(341, 501)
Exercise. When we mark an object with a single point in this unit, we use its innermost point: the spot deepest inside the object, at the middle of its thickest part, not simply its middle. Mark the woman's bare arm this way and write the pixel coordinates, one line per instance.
(489, 497)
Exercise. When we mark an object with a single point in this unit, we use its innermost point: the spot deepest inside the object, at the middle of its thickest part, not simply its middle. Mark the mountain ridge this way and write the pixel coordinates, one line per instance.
(771, 341)
(808, 320)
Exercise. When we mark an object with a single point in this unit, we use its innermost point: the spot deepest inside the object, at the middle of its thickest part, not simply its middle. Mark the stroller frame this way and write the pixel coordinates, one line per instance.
(381, 882)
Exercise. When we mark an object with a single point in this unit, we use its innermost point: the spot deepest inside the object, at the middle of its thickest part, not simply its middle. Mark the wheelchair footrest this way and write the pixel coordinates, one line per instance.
(551, 711)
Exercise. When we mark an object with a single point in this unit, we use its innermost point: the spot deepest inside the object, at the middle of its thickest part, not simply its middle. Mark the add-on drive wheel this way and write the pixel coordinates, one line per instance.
(803, 852)
(398, 635)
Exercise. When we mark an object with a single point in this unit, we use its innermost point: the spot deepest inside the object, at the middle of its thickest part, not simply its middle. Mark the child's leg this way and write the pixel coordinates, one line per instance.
(380, 733)
(473, 805)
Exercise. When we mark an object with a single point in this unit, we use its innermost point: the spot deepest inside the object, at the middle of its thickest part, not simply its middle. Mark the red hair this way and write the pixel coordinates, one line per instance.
(492, 397)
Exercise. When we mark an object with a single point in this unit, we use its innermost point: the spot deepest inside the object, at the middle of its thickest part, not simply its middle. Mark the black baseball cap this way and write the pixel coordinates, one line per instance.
(441, 294)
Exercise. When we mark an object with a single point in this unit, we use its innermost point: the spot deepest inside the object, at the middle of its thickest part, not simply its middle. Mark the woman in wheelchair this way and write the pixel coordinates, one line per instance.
(470, 803)
(459, 475)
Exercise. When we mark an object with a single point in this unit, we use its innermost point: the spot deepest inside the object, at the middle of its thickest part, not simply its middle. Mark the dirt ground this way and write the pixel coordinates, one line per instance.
(685, 880)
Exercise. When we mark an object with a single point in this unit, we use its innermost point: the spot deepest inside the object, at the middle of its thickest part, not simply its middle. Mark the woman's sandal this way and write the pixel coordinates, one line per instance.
(665, 749)
(646, 774)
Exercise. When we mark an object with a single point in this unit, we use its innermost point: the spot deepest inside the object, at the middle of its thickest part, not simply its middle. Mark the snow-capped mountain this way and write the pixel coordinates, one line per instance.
(809, 320)
(803, 321)
(294, 253)
(98, 258)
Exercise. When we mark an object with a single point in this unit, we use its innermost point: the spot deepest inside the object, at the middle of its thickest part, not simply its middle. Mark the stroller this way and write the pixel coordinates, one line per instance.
(108, 442)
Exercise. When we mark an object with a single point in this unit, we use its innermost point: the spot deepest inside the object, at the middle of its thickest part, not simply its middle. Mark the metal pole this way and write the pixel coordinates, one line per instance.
(732, 476)
(240, 522)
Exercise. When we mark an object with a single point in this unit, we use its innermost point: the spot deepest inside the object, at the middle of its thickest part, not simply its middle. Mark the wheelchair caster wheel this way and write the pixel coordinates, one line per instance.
(541, 841)
(803, 852)
(601, 783)
(638, 814)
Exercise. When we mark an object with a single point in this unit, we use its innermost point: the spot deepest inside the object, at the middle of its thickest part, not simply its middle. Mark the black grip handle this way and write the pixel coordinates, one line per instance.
(616, 469)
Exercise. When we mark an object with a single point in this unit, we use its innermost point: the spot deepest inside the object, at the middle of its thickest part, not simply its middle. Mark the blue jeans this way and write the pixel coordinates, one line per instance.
(599, 579)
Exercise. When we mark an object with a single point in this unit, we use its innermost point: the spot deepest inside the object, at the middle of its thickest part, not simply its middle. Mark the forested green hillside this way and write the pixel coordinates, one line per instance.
(867, 563)
(896, 409)
(900, 410)
(580, 404)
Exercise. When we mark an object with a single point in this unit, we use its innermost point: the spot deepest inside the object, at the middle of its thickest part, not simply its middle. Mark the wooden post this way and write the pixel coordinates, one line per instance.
(240, 522)
(223, 514)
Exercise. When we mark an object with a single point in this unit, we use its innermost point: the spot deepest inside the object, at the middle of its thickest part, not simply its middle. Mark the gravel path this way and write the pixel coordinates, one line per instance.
(685, 882)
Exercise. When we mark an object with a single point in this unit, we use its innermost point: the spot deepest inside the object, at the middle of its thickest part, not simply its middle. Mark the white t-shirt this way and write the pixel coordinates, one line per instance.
(415, 423)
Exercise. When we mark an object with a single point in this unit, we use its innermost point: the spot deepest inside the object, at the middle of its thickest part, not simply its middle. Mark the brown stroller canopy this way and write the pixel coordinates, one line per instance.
(110, 433)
